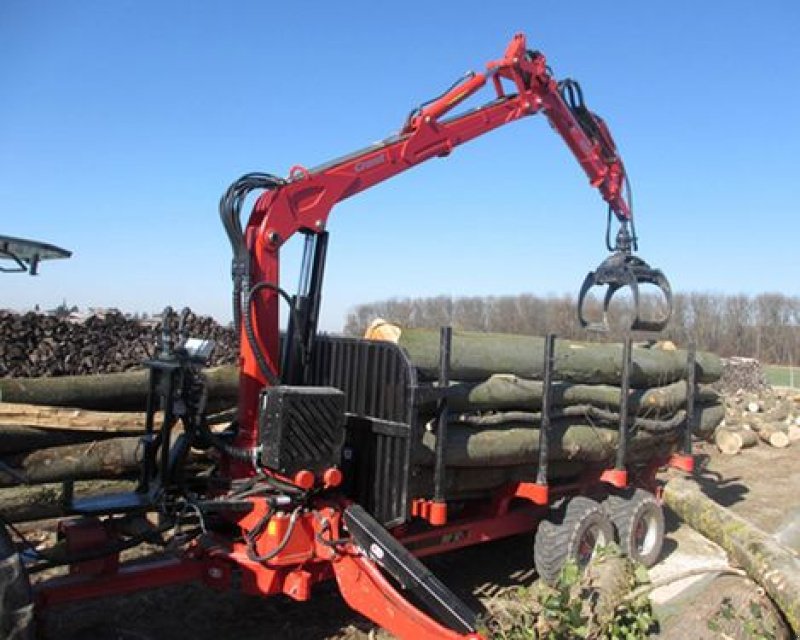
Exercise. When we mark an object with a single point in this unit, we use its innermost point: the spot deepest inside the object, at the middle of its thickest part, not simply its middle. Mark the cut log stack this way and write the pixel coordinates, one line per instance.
(494, 431)
(86, 427)
(771, 417)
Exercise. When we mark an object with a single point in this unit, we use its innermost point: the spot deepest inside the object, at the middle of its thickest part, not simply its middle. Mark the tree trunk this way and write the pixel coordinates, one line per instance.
(32, 415)
(19, 438)
(515, 445)
(570, 439)
(731, 441)
(112, 391)
(21, 504)
(504, 391)
(765, 560)
(103, 459)
(476, 356)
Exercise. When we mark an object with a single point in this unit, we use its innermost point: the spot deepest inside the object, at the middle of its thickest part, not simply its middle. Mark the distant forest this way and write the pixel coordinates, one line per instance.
(765, 326)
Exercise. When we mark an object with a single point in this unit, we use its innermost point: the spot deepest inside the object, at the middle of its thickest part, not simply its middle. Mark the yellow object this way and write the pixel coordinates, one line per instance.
(380, 329)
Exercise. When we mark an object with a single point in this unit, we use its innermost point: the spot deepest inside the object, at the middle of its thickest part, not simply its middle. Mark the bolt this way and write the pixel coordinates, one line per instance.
(215, 573)
(273, 237)
(319, 224)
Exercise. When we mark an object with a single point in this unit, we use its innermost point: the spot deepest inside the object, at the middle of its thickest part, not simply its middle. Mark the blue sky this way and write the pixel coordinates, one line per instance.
(121, 123)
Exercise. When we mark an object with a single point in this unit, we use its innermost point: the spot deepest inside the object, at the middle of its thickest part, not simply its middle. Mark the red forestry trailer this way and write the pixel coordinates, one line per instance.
(316, 479)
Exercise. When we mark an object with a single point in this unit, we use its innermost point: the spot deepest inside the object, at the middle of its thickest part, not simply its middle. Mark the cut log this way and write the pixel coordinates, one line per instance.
(793, 431)
(114, 458)
(22, 504)
(519, 445)
(16, 439)
(570, 439)
(476, 356)
(505, 391)
(587, 413)
(771, 434)
(765, 560)
(731, 441)
(113, 391)
(32, 415)
(707, 418)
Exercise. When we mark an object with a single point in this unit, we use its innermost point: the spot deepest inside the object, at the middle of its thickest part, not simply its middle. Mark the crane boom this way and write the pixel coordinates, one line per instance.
(303, 202)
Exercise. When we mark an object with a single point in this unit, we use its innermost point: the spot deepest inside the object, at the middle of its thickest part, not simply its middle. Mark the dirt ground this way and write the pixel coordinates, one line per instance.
(761, 484)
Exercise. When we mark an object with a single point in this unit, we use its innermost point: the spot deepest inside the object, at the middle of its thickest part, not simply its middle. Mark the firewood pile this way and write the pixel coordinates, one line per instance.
(743, 374)
(37, 345)
(771, 417)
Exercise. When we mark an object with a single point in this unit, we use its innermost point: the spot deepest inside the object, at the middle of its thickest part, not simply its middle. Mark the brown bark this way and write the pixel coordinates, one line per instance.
(766, 561)
(39, 502)
(476, 356)
(115, 391)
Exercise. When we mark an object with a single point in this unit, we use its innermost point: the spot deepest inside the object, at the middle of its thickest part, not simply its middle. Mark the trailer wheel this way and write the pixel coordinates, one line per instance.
(639, 521)
(584, 526)
(16, 599)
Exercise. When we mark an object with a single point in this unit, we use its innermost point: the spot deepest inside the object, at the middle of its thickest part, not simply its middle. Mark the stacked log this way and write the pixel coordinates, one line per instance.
(771, 417)
(742, 374)
(494, 429)
(496, 407)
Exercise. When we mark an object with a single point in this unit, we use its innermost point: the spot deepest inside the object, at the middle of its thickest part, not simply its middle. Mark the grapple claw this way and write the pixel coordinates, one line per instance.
(623, 269)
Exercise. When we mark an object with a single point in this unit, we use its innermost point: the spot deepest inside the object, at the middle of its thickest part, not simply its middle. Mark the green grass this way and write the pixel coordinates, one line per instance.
(782, 376)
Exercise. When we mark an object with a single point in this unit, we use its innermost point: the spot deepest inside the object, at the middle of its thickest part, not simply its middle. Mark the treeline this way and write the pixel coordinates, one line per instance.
(766, 326)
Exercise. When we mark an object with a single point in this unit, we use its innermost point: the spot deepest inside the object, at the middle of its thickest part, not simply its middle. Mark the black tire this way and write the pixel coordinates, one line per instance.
(583, 526)
(16, 599)
(639, 521)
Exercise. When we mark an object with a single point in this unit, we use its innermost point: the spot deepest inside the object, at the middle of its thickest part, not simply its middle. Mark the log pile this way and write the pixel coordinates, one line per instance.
(771, 417)
(496, 417)
(494, 428)
(72, 397)
(742, 374)
(33, 345)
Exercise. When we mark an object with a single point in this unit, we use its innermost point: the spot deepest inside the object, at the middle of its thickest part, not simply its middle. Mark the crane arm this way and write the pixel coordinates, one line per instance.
(303, 201)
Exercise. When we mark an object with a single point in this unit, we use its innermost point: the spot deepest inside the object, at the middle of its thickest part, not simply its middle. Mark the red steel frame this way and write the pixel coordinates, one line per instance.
(304, 204)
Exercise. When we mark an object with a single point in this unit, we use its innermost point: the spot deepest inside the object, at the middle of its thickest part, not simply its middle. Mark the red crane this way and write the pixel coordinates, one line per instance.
(315, 478)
